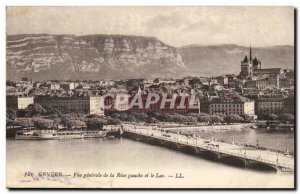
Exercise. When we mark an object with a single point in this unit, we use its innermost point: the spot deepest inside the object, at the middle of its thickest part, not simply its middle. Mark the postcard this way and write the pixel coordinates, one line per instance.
(150, 97)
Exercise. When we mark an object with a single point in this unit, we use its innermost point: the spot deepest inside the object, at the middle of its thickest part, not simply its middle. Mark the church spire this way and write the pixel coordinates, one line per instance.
(250, 54)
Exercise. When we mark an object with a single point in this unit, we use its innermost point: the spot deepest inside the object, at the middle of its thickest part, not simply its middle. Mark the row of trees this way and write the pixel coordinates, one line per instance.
(190, 118)
(44, 117)
(284, 117)
(73, 120)
(41, 123)
(37, 110)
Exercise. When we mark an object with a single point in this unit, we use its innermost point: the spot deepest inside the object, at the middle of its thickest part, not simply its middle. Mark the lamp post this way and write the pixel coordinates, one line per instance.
(245, 148)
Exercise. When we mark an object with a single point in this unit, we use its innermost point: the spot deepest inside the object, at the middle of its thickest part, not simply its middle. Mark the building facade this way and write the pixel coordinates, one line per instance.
(222, 80)
(77, 104)
(18, 102)
(69, 86)
(232, 105)
(289, 104)
(268, 104)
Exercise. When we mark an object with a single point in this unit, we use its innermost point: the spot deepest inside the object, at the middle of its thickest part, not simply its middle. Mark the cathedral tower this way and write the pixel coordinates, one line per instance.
(248, 65)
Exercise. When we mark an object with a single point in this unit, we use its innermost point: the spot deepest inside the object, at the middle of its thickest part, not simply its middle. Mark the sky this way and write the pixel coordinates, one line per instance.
(176, 26)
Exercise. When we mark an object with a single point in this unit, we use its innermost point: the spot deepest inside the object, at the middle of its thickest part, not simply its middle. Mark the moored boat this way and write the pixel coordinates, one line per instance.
(284, 127)
(36, 135)
(69, 134)
(94, 134)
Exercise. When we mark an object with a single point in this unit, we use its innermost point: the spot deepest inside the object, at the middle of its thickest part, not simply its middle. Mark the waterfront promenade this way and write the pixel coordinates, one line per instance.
(249, 155)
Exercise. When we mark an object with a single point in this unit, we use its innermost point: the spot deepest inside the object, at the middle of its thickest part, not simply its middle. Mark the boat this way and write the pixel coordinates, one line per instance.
(284, 127)
(261, 125)
(69, 134)
(278, 126)
(94, 134)
(36, 135)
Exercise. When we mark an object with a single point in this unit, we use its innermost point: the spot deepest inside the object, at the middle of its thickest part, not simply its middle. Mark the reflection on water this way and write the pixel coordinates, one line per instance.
(123, 155)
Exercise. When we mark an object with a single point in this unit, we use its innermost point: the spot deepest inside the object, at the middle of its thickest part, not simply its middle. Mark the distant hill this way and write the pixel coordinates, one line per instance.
(223, 59)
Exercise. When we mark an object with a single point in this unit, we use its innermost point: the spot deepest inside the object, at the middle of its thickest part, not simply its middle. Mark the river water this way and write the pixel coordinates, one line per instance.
(127, 157)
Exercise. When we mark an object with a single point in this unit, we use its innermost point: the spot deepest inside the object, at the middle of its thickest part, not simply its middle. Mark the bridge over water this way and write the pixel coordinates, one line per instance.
(247, 156)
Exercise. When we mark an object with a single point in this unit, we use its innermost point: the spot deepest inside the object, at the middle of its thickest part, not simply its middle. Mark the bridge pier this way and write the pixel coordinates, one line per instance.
(246, 162)
(261, 166)
(198, 150)
(219, 155)
(179, 145)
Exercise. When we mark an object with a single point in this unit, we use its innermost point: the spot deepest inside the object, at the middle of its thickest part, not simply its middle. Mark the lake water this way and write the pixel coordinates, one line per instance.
(128, 158)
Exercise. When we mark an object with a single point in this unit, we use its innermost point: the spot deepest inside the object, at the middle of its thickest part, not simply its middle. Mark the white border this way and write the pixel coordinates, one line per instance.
(5, 3)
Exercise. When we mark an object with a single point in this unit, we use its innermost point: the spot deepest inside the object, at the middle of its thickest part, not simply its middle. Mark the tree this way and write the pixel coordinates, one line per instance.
(52, 110)
(35, 110)
(139, 116)
(75, 123)
(93, 116)
(41, 123)
(220, 114)
(152, 120)
(81, 117)
(190, 119)
(287, 118)
(247, 118)
(23, 122)
(201, 117)
(25, 79)
(130, 118)
(195, 115)
(95, 123)
(127, 116)
(233, 118)
(65, 118)
(113, 121)
(273, 116)
(10, 83)
(11, 114)
(204, 118)
(158, 115)
(12, 123)
(216, 119)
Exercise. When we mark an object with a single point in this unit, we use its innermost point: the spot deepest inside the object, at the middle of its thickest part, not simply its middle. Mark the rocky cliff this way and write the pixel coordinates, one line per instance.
(44, 56)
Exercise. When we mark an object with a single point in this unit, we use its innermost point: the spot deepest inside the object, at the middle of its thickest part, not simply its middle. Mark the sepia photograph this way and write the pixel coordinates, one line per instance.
(150, 97)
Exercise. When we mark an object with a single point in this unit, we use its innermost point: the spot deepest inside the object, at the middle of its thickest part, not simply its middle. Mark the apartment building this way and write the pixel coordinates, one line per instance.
(269, 103)
(18, 102)
(232, 105)
(77, 104)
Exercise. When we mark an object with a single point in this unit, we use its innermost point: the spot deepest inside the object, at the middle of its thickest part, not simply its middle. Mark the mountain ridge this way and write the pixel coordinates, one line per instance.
(115, 56)
(41, 56)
